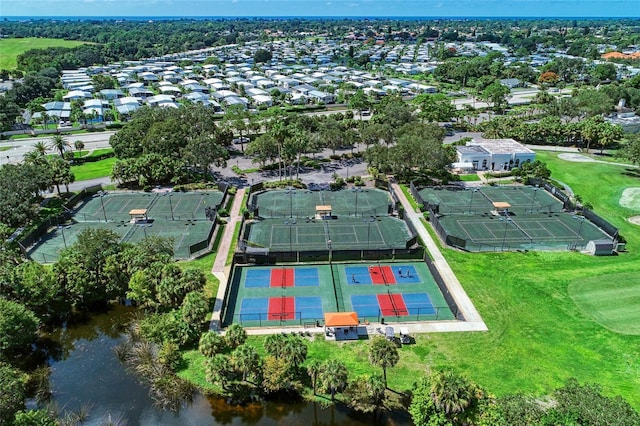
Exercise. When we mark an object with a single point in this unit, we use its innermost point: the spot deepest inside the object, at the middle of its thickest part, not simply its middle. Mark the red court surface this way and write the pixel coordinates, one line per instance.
(381, 275)
(281, 308)
(282, 277)
(392, 305)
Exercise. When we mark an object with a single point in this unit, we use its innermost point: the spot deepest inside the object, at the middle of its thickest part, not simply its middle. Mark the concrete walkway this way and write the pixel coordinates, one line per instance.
(220, 270)
(473, 321)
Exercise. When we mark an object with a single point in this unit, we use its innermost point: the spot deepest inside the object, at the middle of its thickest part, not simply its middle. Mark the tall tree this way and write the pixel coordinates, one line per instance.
(18, 327)
(59, 143)
(235, 336)
(434, 107)
(211, 343)
(333, 376)
(383, 353)
(247, 362)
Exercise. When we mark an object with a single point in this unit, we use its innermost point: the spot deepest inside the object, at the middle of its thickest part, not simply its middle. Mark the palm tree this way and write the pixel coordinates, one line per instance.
(211, 343)
(34, 157)
(41, 148)
(313, 370)
(79, 145)
(45, 119)
(294, 351)
(235, 336)
(383, 353)
(59, 144)
(274, 343)
(333, 375)
(219, 370)
(451, 393)
(247, 361)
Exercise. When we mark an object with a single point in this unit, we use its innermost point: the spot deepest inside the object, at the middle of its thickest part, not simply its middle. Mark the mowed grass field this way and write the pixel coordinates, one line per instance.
(538, 336)
(12, 47)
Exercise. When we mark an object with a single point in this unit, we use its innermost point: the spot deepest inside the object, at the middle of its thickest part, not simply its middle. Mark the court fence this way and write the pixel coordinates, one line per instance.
(263, 256)
(569, 205)
(453, 306)
(280, 319)
(468, 245)
(35, 234)
(205, 245)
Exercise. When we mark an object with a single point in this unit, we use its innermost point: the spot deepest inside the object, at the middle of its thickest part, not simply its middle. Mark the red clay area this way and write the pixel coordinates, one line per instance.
(381, 275)
(282, 277)
(392, 304)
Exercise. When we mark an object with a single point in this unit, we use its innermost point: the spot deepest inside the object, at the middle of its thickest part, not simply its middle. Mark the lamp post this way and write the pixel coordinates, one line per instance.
(144, 229)
(581, 219)
(330, 251)
(369, 222)
(471, 201)
(64, 240)
(533, 201)
(291, 201)
(102, 203)
(290, 224)
(170, 204)
(504, 237)
(356, 190)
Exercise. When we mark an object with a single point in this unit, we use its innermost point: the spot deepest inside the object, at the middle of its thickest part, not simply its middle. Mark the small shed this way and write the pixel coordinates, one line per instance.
(600, 247)
(138, 215)
(322, 211)
(341, 325)
(501, 207)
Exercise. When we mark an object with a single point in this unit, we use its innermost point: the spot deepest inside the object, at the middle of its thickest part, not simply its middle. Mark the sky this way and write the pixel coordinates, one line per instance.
(313, 8)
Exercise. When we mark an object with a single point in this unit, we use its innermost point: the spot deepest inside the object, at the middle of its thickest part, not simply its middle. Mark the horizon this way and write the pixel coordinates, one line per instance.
(353, 9)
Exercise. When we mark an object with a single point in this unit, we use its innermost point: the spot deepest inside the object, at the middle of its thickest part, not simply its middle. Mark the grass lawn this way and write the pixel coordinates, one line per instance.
(93, 170)
(538, 337)
(470, 178)
(12, 47)
(611, 300)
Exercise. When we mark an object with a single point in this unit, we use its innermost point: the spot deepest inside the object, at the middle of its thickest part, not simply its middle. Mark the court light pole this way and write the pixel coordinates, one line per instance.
(291, 201)
(356, 190)
(504, 237)
(369, 222)
(170, 204)
(64, 240)
(581, 219)
(473, 191)
(535, 192)
(102, 203)
(330, 251)
(290, 224)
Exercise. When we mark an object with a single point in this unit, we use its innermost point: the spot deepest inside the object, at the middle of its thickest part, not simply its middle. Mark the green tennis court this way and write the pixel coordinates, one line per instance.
(115, 206)
(272, 296)
(180, 216)
(301, 203)
(523, 199)
(346, 233)
(487, 232)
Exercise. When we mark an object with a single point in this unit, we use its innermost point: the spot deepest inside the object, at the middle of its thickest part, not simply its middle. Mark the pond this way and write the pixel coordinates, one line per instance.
(86, 375)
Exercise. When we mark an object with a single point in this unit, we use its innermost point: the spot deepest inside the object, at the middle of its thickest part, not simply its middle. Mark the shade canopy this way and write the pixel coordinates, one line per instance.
(340, 319)
(501, 205)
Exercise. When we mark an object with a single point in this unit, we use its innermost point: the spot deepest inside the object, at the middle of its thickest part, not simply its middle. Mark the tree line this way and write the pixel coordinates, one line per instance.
(94, 271)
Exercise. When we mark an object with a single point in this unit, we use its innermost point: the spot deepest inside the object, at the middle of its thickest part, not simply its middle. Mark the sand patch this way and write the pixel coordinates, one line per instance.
(630, 198)
(635, 220)
(576, 158)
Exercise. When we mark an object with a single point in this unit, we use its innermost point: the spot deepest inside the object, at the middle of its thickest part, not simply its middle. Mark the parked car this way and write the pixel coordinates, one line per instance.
(241, 140)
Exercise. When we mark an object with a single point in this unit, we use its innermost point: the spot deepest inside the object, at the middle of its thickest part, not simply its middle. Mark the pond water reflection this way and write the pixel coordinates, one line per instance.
(85, 373)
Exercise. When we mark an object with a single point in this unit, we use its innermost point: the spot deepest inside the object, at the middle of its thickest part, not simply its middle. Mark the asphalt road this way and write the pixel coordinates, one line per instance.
(19, 147)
